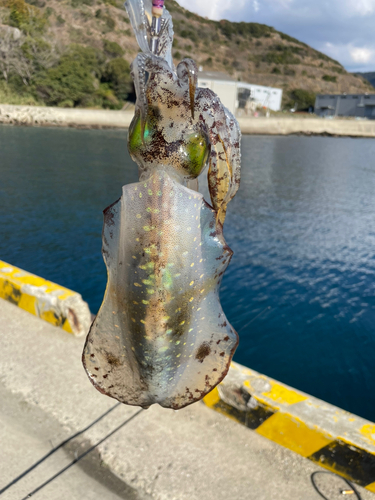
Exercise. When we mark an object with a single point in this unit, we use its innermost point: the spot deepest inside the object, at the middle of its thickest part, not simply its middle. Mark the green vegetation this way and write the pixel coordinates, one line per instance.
(8, 95)
(83, 78)
(289, 71)
(324, 57)
(252, 30)
(113, 49)
(34, 71)
(109, 22)
(71, 80)
(302, 99)
(25, 17)
(280, 58)
(117, 77)
(368, 78)
(79, 3)
(188, 34)
(329, 78)
(283, 54)
(288, 38)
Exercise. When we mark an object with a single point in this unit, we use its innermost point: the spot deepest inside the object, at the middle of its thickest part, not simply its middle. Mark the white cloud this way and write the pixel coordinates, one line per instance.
(362, 7)
(361, 55)
(352, 57)
(256, 5)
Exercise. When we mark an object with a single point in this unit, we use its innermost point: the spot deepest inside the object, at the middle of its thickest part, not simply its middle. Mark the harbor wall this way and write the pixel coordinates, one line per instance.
(50, 302)
(325, 434)
(89, 118)
(328, 436)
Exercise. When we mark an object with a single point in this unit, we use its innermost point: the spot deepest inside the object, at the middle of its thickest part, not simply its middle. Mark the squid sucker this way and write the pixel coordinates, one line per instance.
(161, 335)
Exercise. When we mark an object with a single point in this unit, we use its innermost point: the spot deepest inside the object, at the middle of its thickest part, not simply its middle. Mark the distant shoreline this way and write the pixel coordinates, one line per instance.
(64, 117)
(94, 119)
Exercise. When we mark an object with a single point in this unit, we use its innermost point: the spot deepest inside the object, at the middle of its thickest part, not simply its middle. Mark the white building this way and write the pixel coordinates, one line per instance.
(235, 95)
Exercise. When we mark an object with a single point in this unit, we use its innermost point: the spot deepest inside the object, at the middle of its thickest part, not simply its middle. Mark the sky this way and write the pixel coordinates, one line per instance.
(342, 29)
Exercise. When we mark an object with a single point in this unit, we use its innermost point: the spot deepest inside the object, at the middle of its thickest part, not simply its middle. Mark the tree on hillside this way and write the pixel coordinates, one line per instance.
(72, 79)
(24, 50)
(303, 99)
(26, 17)
(24, 56)
(9, 46)
(117, 75)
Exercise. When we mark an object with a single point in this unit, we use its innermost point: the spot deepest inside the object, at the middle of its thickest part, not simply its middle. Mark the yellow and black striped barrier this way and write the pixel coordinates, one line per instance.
(53, 303)
(333, 438)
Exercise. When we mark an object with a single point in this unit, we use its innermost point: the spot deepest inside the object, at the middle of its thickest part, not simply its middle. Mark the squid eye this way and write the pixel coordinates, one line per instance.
(135, 134)
(197, 149)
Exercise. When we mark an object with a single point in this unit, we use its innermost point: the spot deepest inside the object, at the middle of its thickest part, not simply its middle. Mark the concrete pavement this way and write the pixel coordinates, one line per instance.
(193, 454)
(26, 435)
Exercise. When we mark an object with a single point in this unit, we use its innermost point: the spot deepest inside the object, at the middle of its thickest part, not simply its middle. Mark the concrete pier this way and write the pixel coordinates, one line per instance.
(192, 454)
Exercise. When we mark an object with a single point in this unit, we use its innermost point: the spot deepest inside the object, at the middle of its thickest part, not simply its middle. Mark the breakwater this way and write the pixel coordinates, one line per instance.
(307, 126)
(64, 117)
(92, 118)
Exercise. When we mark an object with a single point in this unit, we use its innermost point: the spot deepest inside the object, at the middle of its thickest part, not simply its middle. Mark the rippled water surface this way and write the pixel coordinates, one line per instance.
(301, 286)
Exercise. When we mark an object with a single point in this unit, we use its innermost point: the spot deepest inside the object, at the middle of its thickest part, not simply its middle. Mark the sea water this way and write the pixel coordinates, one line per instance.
(300, 289)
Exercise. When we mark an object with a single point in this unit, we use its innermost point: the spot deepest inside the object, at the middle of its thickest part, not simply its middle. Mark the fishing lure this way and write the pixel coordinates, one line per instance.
(161, 335)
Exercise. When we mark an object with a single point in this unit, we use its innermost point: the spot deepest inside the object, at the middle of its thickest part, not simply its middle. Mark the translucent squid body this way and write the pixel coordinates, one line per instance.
(161, 335)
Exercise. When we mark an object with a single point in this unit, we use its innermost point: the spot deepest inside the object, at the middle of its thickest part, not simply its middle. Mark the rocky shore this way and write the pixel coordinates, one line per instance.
(64, 117)
(89, 118)
(308, 126)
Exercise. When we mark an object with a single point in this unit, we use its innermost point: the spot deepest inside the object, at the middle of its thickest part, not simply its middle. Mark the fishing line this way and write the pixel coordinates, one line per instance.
(256, 317)
(351, 491)
(81, 456)
(63, 443)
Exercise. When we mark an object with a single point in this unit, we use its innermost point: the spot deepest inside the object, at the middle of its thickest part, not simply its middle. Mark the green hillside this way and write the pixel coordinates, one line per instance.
(77, 53)
(369, 77)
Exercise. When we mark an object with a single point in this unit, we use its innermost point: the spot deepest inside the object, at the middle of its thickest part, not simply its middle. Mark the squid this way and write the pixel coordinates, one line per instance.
(161, 336)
